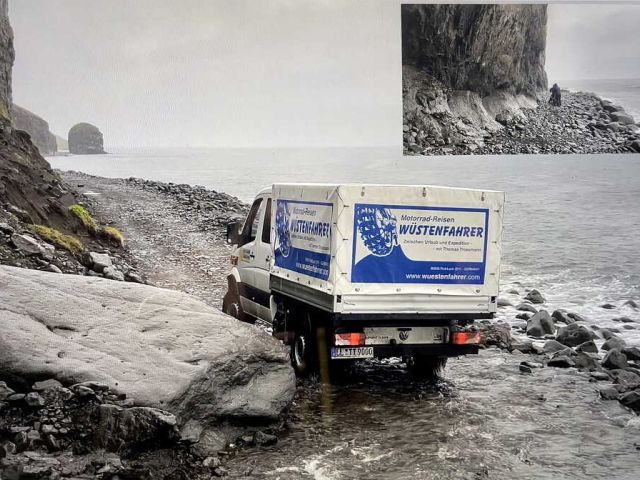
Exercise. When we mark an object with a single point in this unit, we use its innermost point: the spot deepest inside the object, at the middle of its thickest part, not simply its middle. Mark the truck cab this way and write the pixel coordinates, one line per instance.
(340, 274)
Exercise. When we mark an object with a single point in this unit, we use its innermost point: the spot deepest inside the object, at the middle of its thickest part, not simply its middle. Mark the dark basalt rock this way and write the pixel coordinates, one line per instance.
(85, 139)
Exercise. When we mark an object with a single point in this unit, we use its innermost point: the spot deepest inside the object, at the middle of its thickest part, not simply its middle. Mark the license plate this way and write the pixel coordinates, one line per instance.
(351, 352)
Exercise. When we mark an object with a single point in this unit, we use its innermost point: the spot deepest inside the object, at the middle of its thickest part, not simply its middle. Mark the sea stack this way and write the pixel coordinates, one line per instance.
(85, 139)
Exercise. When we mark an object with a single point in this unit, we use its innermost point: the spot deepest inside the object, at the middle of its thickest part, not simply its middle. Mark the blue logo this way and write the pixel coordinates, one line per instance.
(378, 229)
(283, 219)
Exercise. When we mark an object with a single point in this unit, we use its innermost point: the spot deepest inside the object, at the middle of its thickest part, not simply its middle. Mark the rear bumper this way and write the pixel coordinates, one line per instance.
(436, 350)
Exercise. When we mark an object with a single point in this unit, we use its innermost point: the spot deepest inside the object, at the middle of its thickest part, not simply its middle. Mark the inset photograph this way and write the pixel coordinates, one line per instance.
(520, 79)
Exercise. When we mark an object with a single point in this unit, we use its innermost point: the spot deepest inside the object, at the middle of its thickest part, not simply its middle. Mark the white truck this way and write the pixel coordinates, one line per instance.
(344, 272)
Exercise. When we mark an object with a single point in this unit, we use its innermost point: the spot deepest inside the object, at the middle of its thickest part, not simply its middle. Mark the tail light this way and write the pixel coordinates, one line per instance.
(355, 339)
(234, 260)
(465, 338)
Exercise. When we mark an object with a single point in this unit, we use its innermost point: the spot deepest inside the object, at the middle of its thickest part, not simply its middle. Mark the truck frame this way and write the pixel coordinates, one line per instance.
(346, 272)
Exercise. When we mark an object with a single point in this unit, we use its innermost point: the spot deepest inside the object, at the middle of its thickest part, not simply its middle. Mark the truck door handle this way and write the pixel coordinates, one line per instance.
(251, 255)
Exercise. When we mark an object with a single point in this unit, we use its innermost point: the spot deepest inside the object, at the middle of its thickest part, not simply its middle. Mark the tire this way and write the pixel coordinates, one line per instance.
(231, 306)
(304, 349)
(426, 366)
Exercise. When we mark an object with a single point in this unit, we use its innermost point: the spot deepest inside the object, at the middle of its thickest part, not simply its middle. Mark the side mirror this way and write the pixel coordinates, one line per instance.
(233, 233)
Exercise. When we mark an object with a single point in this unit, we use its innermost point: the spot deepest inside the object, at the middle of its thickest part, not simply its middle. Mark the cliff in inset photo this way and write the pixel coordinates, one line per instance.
(482, 48)
(37, 128)
(474, 81)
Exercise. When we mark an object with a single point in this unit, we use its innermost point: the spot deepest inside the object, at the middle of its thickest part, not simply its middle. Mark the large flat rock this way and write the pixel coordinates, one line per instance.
(161, 348)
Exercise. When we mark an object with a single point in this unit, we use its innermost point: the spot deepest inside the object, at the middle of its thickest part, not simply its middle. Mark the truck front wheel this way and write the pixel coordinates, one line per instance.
(426, 366)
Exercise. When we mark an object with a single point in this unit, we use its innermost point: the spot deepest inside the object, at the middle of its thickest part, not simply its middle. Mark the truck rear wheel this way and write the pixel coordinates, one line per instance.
(426, 366)
(304, 350)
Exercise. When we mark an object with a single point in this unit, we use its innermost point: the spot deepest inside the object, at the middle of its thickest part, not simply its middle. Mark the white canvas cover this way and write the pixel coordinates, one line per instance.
(390, 243)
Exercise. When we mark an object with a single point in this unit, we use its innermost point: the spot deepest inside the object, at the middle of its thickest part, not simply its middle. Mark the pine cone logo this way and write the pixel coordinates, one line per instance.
(283, 220)
(378, 229)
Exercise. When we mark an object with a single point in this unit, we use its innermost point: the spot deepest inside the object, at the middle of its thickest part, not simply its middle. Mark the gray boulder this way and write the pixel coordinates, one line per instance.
(561, 361)
(609, 393)
(27, 245)
(587, 347)
(540, 324)
(534, 296)
(631, 399)
(98, 261)
(622, 118)
(573, 335)
(526, 307)
(562, 316)
(586, 361)
(551, 346)
(614, 343)
(614, 359)
(576, 317)
(5, 391)
(162, 348)
(632, 353)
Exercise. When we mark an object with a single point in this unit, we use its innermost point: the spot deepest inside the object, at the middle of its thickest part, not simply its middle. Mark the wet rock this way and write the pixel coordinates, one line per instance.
(624, 378)
(525, 346)
(186, 359)
(523, 316)
(264, 439)
(608, 306)
(5, 391)
(600, 376)
(135, 428)
(502, 302)
(496, 334)
(552, 346)
(525, 368)
(630, 303)
(608, 393)
(573, 335)
(540, 324)
(33, 399)
(561, 361)
(587, 347)
(614, 359)
(534, 296)
(622, 118)
(526, 307)
(632, 353)
(586, 361)
(577, 317)
(46, 385)
(562, 316)
(631, 399)
(606, 333)
(613, 343)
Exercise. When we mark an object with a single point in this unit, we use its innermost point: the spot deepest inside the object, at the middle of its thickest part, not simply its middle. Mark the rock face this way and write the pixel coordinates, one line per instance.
(26, 179)
(6, 60)
(37, 128)
(469, 71)
(161, 348)
(85, 139)
(481, 48)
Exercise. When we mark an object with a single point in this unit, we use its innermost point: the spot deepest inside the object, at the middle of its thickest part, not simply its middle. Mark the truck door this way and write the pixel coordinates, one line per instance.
(253, 260)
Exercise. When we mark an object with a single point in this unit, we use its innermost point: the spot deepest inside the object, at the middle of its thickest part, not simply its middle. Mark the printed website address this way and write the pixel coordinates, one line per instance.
(312, 268)
(443, 276)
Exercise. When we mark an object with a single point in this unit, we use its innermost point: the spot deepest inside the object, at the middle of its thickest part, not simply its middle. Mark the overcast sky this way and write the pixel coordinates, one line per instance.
(254, 73)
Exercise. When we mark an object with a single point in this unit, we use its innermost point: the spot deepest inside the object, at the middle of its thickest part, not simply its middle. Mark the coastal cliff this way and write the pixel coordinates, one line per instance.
(481, 48)
(37, 128)
(6, 61)
(468, 70)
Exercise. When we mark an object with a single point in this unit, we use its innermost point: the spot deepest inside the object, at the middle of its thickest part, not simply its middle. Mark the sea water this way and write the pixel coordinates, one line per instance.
(625, 92)
(572, 222)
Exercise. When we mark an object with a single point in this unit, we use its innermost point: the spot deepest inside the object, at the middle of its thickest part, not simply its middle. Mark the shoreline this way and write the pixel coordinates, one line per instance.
(175, 233)
(586, 123)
